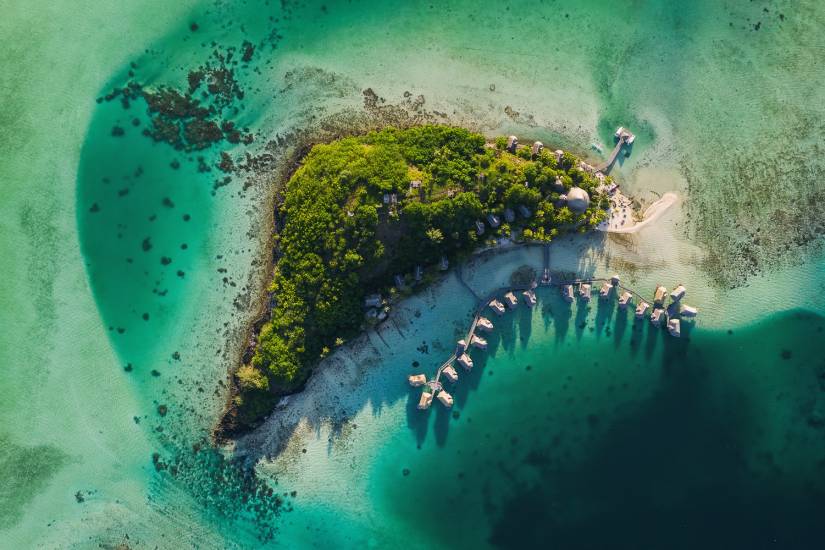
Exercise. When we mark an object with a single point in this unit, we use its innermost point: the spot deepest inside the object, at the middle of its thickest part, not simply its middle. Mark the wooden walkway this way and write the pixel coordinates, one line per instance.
(605, 168)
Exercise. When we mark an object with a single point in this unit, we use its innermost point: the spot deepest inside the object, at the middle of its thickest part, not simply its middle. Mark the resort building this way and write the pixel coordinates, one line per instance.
(641, 309)
(465, 361)
(497, 306)
(373, 300)
(479, 228)
(417, 380)
(529, 297)
(577, 199)
(688, 311)
(425, 400)
(460, 347)
(537, 148)
(559, 153)
(450, 373)
(485, 324)
(524, 211)
(478, 342)
(678, 293)
(604, 291)
(625, 299)
(659, 296)
(584, 291)
(512, 143)
(656, 316)
(509, 215)
(399, 282)
(674, 327)
(493, 220)
(445, 398)
(614, 280)
(511, 300)
(567, 292)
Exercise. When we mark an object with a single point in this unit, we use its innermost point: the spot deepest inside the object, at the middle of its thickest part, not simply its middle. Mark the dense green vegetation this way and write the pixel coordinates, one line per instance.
(353, 219)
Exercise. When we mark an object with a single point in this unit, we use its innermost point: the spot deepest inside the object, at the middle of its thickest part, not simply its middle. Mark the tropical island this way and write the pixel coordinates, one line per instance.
(363, 216)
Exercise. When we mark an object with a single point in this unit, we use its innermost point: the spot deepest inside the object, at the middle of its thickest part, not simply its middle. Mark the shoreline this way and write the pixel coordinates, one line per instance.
(650, 215)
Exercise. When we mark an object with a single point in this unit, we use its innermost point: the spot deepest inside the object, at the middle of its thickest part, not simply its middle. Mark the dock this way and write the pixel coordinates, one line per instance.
(623, 137)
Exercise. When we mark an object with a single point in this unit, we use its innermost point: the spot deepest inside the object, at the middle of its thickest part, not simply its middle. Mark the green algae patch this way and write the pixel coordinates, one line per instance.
(371, 214)
(24, 471)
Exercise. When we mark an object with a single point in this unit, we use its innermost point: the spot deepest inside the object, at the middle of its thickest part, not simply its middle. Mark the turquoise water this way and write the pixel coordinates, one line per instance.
(615, 436)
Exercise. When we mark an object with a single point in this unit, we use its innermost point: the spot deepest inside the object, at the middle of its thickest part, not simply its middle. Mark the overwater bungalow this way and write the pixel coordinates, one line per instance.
(445, 398)
(678, 293)
(537, 148)
(614, 280)
(674, 327)
(450, 373)
(604, 291)
(493, 220)
(625, 299)
(512, 143)
(497, 306)
(509, 215)
(529, 297)
(479, 228)
(567, 292)
(659, 296)
(511, 300)
(425, 400)
(460, 346)
(373, 300)
(417, 380)
(688, 311)
(641, 309)
(584, 291)
(444, 264)
(465, 361)
(657, 316)
(478, 342)
(524, 211)
(484, 324)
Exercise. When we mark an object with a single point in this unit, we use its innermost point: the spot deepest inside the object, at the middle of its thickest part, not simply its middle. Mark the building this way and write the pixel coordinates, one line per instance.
(493, 220)
(537, 148)
(614, 280)
(497, 306)
(577, 199)
(524, 211)
(545, 277)
(484, 324)
(511, 300)
(659, 296)
(450, 373)
(641, 309)
(478, 342)
(688, 311)
(657, 316)
(529, 297)
(567, 292)
(678, 293)
(479, 228)
(559, 153)
(444, 264)
(417, 380)
(512, 143)
(465, 361)
(625, 299)
(373, 300)
(460, 346)
(509, 215)
(399, 282)
(604, 291)
(425, 401)
(674, 327)
(445, 398)
(584, 291)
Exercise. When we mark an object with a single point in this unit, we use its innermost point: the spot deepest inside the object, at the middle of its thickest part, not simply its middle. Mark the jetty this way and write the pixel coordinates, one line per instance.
(623, 137)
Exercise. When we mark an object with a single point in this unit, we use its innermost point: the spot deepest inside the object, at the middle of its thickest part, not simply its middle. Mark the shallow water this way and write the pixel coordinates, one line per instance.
(722, 111)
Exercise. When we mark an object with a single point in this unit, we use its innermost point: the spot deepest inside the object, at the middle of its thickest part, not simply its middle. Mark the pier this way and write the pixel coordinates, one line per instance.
(674, 315)
(623, 137)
